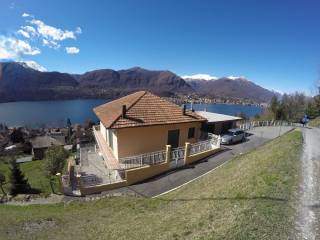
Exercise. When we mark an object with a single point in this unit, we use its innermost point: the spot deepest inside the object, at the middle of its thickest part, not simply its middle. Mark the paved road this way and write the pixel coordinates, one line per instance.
(308, 219)
(173, 179)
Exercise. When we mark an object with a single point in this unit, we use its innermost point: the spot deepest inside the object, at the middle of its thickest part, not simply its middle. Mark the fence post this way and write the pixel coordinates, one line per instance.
(219, 142)
(60, 182)
(79, 182)
(186, 153)
(168, 153)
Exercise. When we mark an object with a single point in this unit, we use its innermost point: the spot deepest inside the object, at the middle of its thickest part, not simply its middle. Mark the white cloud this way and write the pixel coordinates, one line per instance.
(200, 76)
(35, 32)
(72, 50)
(4, 53)
(15, 48)
(50, 44)
(53, 33)
(27, 15)
(78, 30)
(24, 33)
(31, 30)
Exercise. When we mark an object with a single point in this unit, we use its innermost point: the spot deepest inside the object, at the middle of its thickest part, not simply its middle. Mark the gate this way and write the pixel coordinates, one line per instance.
(177, 157)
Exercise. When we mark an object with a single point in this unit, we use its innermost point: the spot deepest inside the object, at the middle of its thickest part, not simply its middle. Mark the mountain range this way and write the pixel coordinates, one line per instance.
(20, 82)
(231, 87)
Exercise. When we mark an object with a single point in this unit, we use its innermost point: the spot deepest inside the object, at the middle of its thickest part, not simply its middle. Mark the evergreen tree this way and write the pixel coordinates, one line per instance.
(88, 124)
(69, 124)
(311, 110)
(17, 180)
(17, 136)
(274, 105)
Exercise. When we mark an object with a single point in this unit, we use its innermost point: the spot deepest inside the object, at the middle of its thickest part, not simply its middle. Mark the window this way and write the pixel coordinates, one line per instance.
(238, 133)
(191, 132)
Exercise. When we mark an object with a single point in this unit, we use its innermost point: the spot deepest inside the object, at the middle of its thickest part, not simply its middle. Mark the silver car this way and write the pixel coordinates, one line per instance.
(233, 136)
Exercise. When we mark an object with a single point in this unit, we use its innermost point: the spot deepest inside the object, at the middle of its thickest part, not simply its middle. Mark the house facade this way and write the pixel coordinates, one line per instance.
(139, 136)
(143, 122)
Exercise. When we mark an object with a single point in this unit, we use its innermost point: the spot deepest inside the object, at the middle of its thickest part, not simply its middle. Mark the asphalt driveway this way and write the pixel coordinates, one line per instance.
(171, 180)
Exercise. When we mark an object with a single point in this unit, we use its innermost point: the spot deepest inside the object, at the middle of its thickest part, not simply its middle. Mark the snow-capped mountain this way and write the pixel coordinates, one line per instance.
(228, 87)
(200, 76)
(34, 65)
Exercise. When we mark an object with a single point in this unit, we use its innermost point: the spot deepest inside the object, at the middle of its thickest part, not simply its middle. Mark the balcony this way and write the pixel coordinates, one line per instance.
(110, 161)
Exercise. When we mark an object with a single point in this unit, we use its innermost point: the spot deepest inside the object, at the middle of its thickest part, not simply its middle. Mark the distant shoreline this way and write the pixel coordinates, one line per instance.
(178, 101)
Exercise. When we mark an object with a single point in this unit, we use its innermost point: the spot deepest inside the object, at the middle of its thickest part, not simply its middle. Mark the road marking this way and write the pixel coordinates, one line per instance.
(173, 189)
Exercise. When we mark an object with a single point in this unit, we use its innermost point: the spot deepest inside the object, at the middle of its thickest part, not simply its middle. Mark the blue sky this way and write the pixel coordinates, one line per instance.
(274, 43)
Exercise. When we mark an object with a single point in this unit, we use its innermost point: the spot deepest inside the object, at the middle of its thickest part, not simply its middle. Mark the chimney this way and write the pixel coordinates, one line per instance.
(184, 109)
(124, 111)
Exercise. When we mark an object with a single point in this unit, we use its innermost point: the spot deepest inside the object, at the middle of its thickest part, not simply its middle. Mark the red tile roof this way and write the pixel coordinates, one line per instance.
(143, 109)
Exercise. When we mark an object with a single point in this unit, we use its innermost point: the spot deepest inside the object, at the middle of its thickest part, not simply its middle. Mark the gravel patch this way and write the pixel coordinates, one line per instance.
(308, 213)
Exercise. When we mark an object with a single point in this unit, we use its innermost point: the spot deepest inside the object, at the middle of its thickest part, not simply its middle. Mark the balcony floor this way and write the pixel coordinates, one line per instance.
(92, 163)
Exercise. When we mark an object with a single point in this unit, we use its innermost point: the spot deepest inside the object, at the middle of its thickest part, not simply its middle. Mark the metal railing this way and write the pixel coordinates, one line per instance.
(204, 146)
(177, 153)
(90, 180)
(214, 139)
(271, 123)
(152, 158)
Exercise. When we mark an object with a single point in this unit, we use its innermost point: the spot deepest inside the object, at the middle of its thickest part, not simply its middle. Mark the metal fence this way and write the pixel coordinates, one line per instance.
(152, 158)
(177, 153)
(271, 123)
(204, 145)
(90, 180)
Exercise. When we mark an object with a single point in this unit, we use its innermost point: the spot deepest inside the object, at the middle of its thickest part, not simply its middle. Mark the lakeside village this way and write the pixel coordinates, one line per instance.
(195, 98)
(137, 137)
(24, 139)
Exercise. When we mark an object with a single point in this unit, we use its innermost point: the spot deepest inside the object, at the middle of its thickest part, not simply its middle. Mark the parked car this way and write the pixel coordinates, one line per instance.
(233, 136)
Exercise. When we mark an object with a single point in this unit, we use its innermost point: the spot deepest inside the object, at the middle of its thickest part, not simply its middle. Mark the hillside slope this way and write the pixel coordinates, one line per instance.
(239, 88)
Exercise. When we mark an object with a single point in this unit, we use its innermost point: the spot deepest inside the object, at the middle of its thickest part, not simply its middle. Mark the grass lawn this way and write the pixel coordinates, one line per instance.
(33, 171)
(251, 197)
(315, 122)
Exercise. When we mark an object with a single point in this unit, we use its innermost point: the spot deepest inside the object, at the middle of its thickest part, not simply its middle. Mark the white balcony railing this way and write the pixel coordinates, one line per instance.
(151, 158)
(203, 146)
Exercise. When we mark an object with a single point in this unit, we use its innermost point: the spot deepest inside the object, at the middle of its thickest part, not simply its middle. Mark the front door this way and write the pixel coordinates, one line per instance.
(173, 138)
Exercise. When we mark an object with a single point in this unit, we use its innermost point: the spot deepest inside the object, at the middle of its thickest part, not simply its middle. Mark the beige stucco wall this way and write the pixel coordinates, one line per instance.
(139, 174)
(103, 131)
(133, 141)
(115, 142)
(101, 188)
(196, 157)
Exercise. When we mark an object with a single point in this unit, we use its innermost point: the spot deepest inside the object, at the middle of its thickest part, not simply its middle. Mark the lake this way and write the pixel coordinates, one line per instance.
(55, 113)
